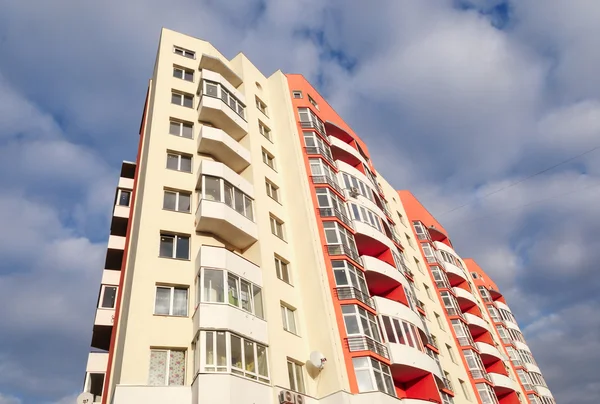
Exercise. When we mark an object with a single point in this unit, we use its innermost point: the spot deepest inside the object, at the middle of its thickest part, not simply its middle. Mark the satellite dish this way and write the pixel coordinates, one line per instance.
(85, 398)
(317, 359)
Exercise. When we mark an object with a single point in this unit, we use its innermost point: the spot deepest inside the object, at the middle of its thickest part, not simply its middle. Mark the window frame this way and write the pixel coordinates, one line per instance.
(280, 263)
(184, 70)
(277, 226)
(295, 93)
(365, 321)
(247, 203)
(366, 216)
(184, 96)
(313, 102)
(167, 366)
(261, 106)
(365, 190)
(272, 190)
(402, 331)
(180, 157)
(102, 294)
(289, 318)
(172, 300)
(296, 375)
(182, 124)
(176, 237)
(184, 52)
(265, 131)
(120, 193)
(383, 370)
(225, 95)
(342, 236)
(354, 276)
(268, 158)
(178, 194)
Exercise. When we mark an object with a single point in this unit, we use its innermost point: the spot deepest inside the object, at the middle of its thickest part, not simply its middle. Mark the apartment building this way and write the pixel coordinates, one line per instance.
(256, 256)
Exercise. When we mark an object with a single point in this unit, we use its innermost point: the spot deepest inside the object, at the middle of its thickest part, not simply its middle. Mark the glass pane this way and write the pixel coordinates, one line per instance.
(184, 202)
(239, 201)
(228, 191)
(176, 98)
(408, 334)
(248, 208)
(261, 360)
(174, 128)
(188, 101)
(387, 326)
(299, 378)
(166, 245)
(291, 320)
(351, 322)
(398, 329)
(183, 247)
(186, 164)
(245, 296)
(249, 356)
(341, 279)
(389, 384)
(180, 303)
(211, 89)
(157, 373)
(172, 161)
(169, 200)
(379, 381)
(213, 286)
(108, 300)
(236, 351)
(124, 198)
(210, 353)
(187, 131)
(284, 318)
(232, 287)
(189, 76)
(363, 379)
(177, 368)
(258, 304)
(221, 349)
(291, 377)
(162, 301)
(212, 189)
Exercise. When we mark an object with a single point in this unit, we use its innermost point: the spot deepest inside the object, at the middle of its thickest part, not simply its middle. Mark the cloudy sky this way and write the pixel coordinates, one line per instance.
(455, 99)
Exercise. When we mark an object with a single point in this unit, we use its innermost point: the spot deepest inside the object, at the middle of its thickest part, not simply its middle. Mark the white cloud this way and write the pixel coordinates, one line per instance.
(6, 399)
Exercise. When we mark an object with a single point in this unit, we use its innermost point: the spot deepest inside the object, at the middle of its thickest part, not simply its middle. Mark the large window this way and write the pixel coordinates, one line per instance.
(336, 234)
(310, 120)
(328, 199)
(352, 182)
(450, 303)
(219, 190)
(179, 162)
(216, 90)
(220, 286)
(167, 367)
(516, 335)
(181, 128)
(422, 232)
(507, 316)
(171, 301)
(526, 356)
(319, 168)
(474, 363)
(401, 332)
(288, 317)
(174, 246)
(277, 227)
(282, 269)
(347, 275)
(486, 393)
(428, 252)
(177, 200)
(316, 145)
(296, 376)
(366, 216)
(226, 352)
(494, 313)
(441, 280)
(358, 321)
(372, 375)
(462, 334)
(451, 259)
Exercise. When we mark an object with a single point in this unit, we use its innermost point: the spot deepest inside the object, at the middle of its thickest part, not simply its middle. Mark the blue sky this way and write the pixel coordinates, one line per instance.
(455, 99)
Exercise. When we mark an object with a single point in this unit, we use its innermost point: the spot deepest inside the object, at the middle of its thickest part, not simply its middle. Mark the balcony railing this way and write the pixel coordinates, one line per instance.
(452, 311)
(332, 212)
(420, 305)
(364, 343)
(480, 374)
(447, 384)
(341, 249)
(315, 125)
(466, 341)
(506, 340)
(517, 362)
(528, 387)
(324, 179)
(350, 293)
(321, 152)
(442, 284)
(487, 298)
(431, 341)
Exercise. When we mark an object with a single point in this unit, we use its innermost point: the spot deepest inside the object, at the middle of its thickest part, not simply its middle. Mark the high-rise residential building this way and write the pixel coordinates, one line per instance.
(256, 256)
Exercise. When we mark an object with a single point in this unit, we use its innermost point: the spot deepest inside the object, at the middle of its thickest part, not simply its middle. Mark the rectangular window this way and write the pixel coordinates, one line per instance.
(486, 394)
(264, 130)
(220, 286)
(171, 301)
(179, 162)
(282, 269)
(277, 227)
(177, 200)
(308, 119)
(181, 128)
(268, 159)
(438, 319)
(313, 102)
(183, 73)
(372, 375)
(297, 94)
(296, 376)
(451, 353)
(347, 275)
(174, 246)
(218, 190)
(262, 107)
(358, 321)
(108, 296)
(428, 292)
(123, 197)
(288, 317)
(272, 190)
(410, 240)
(184, 52)
(94, 384)
(419, 266)
(216, 90)
(464, 389)
(401, 218)
(183, 99)
(167, 367)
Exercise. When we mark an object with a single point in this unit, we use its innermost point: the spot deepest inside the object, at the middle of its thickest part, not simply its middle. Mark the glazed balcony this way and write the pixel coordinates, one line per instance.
(382, 276)
(332, 212)
(363, 343)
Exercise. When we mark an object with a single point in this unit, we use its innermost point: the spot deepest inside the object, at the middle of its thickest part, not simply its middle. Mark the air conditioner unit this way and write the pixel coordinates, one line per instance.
(354, 192)
(286, 397)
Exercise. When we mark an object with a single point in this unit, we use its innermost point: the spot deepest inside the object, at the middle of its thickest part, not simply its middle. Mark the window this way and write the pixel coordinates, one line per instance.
(401, 218)
(179, 162)
(358, 321)
(297, 94)
(464, 389)
(366, 216)
(451, 353)
(313, 102)
(319, 168)
(272, 190)
(316, 145)
(183, 73)
(218, 190)
(108, 296)
(268, 159)
(221, 286)
(282, 269)
(177, 200)
(216, 90)
(184, 52)
(474, 364)
(288, 317)
(94, 384)
(276, 227)
(264, 130)
(347, 275)
(262, 107)
(372, 375)
(171, 301)
(438, 319)
(123, 197)
(419, 266)
(486, 394)
(183, 99)
(181, 128)
(446, 398)
(308, 119)
(356, 185)
(402, 332)
(174, 246)
(474, 275)
(410, 240)
(428, 292)
(339, 238)
(167, 367)
(296, 376)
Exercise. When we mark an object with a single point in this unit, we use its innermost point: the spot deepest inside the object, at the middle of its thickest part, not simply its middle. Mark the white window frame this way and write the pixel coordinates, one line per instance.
(358, 314)
(177, 200)
(297, 94)
(464, 389)
(101, 297)
(375, 369)
(179, 156)
(184, 96)
(172, 299)
(355, 278)
(296, 376)
(264, 130)
(181, 124)
(438, 319)
(272, 190)
(261, 106)
(288, 318)
(282, 266)
(225, 96)
(176, 238)
(183, 71)
(365, 190)
(402, 331)
(248, 203)
(336, 234)
(313, 102)
(184, 52)
(120, 192)
(268, 158)
(489, 397)
(167, 364)
(313, 139)
(277, 227)
(307, 115)
(366, 216)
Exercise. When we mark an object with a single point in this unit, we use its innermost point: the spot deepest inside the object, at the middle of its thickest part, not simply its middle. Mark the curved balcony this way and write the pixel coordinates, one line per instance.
(543, 391)
(488, 353)
(520, 345)
(222, 316)
(382, 276)
(391, 308)
(465, 299)
(223, 147)
(476, 324)
(510, 324)
(501, 305)
(348, 169)
(367, 203)
(436, 234)
(531, 367)
(409, 363)
(454, 274)
(345, 152)
(369, 240)
(503, 384)
(216, 65)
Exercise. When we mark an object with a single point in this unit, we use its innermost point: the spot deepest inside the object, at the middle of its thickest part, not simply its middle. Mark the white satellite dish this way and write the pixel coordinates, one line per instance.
(317, 359)
(85, 398)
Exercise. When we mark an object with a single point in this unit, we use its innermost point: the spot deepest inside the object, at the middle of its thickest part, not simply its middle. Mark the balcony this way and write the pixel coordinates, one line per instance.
(223, 316)
(217, 65)
(221, 115)
(219, 219)
(510, 324)
(480, 374)
(223, 147)
(127, 394)
(398, 310)
(219, 257)
(116, 242)
(503, 384)
(227, 388)
(382, 276)
(488, 353)
(465, 299)
(344, 152)
(364, 343)
(466, 341)
(530, 367)
(104, 317)
(348, 169)
(317, 151)
(342, 249)
(455, 274)
(324, 179)
(476, 324)
(520, 345)
(314, 125)
(369, 240)
(454, 312)
(409, 363)
(97, 362)
(350, 293)
(543, 391)
(332, 212)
